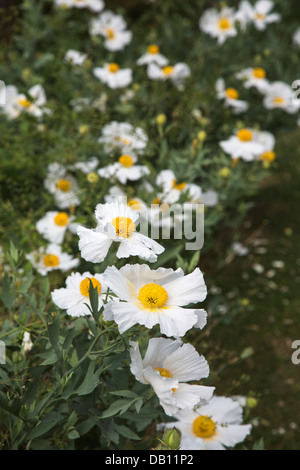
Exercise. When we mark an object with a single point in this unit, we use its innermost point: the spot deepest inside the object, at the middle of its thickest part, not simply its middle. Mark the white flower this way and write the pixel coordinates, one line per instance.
(62, 185)
(123, 137)
(74, 297)
(17, 103)
(116, 223)
(93, 5)
(176, 73)
(296, 37)
(88, 166)
(51, 258)
(53, 226)
(27, 344)
(113, 28)
(230, 97)
(113, 76)
(219, 24)
(152, 297)
(214, 426)
(253, 77)
(167, 366)
(153, 56)
(75, 57)
(243, 145)
(240, 249)
(258, 14)
(123, 170)
(279, 95)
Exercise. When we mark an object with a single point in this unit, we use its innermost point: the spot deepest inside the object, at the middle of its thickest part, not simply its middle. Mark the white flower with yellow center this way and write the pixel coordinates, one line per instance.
(32, 103)
(93, 5)
(74, 297)
(230, 97)
(53, 226)
(117, 222)
(267, 140)
(215, 426)
(62, 185)
(113, 28)
(254, 77)
(219, 24)
(258, 14)
(279, 95)
(124, 169)
(175, 73)
(155, 297)
(243, 145)
(123, 138)
(75, 57)
(153, 56)
(167, 366)
(50, 258)
(113, 76)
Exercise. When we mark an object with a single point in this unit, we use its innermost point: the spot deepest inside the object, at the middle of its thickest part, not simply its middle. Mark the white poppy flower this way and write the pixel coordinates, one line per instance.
(125, 169)
(152, 297)
(123, 137)
(167, 366)
(230, 97)
(243, 145)
(113, 28)
(253, 77)
(214, 426)
(116, 223)
(176, 73)
(53, 226)
(280, 95)
(93, 5)
(219, 24)
(75, 57)
(153, 56)
(17, 103)
(74, 297)
(51, 258)
(62, 185)
(113, 76)
(258, 14)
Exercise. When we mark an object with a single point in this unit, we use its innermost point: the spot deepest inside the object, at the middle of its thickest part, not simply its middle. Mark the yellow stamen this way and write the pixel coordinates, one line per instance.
(51, 260)
(204, 426)
(126, 160)
(153, 49)
(268, 156)
(113, 67)
(245, 135)
(24, 102)
(124, 226)
(278, 100)
(179, 186)
(260, 16)
(61, 219)
(152, 296)
(84, 286)
(224, 23)
(168, 70)
(259, 73)
(232, 93)
(134, 204)
(164, 372)
(110, 33)
(63, 185)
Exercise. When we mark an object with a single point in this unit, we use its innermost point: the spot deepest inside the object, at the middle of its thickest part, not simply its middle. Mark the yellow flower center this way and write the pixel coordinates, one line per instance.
(134, 204)
(61, 219)
(245, 135)
(153, 49)
(232, 93)
(204, 427)
(84, 286)
(126, 160)
(224, 24)
(110, 33)
(259, 73)
(51, 260)
(63, 185)
(260, 16)
(113, 67)
(152, 296)
(278, 100)
(24, 102)
(268, 156)
(179, 186)
(164, 372)
(124, 226)
(156, 200)
(168, 70)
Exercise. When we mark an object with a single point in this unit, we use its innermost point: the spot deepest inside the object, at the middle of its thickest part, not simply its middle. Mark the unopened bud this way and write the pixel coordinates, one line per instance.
(161, 119)
(172, 439)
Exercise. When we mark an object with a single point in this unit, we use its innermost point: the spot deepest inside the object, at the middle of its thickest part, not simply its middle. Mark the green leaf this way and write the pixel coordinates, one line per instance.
(41, 429)
(126, 432)
(73, 434)
(91, 380)
(116, 407)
